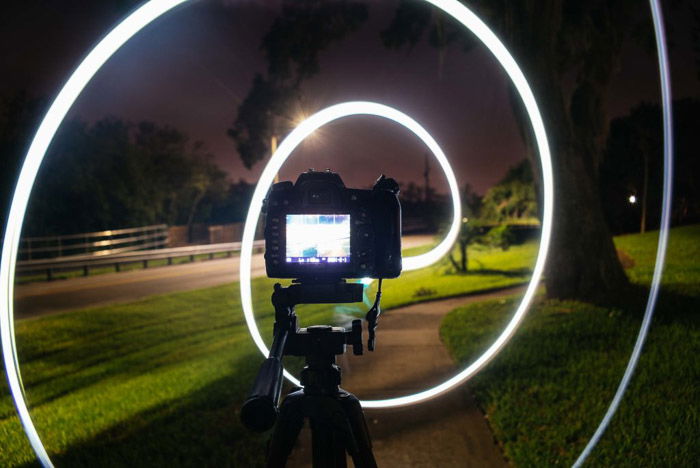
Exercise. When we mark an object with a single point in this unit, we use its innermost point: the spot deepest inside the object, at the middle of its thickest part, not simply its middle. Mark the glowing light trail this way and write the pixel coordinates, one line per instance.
(666, 100)
(285, 149)
(462, 14)
(55, 115)
(154, 9)
(84, 73)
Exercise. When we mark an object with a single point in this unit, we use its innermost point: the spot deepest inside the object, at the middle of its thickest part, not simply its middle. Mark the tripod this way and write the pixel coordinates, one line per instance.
(335, 416)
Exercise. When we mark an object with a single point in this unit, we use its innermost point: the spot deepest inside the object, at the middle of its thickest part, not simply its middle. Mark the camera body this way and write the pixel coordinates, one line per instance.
(318, 229)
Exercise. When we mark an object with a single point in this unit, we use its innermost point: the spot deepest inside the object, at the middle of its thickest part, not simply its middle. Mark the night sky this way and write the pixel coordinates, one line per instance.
(192, 68)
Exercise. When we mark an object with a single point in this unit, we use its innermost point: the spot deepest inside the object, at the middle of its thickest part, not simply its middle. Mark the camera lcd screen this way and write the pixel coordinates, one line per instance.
(317, 238)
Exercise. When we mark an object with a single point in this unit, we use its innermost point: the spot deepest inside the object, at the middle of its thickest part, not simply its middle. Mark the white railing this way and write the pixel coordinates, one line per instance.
(108, 242)
(86, 262)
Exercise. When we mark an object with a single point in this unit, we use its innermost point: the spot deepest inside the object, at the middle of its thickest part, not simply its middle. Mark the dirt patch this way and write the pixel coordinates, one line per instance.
(625, 259)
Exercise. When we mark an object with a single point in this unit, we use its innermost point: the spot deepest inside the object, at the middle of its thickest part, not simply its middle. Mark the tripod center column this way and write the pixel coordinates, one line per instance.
(321, 376)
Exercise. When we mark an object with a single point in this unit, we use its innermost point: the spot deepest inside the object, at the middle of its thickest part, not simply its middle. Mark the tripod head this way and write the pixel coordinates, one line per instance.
(318, 344)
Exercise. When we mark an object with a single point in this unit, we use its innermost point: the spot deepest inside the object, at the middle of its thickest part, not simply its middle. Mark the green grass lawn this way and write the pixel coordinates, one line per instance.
(159, 382)
(547, 391)
(147, 383)
(488, 269)
(682, 268)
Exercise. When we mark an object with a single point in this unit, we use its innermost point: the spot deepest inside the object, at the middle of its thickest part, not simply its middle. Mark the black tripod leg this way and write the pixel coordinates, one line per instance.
(361, 453)
(328, 444)
(287, 428)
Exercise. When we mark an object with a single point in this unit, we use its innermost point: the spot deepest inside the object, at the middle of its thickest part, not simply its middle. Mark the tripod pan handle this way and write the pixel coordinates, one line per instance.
(259, 412)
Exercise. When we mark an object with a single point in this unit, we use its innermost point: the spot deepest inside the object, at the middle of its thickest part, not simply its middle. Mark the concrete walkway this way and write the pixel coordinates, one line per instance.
(448, 431)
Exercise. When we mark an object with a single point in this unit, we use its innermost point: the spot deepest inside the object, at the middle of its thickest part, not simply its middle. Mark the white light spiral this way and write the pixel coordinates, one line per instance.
(55, 115)
(465, 16)
(82, 76)
(298, 135)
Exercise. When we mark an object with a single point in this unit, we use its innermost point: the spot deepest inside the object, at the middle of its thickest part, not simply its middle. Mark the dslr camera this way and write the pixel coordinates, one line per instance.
(317, 229)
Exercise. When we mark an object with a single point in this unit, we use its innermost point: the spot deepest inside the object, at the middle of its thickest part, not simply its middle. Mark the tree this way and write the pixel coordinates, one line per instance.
(633, 166)
(569, 51)
(413, 19)
(259, 119)
(686, 190)
(632, 159)
(291, 47)
(695, 36)
(471, 230)
(182, 175)
(19, 116)
(115, 174)
(513, 198)
(233, 207)
(425, 207)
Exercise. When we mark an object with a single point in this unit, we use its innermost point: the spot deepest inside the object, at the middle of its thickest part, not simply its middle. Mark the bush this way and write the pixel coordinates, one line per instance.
(501, 236)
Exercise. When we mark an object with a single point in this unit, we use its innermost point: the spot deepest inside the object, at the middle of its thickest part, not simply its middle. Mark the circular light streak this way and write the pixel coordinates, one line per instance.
(285, 149)
(465, 16)
(664, 228)
(35, 155)
(84, 73)
(156, 8)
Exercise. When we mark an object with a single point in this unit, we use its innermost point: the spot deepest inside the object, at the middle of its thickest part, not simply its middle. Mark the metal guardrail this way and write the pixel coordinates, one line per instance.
(108, 242)
(85, 262)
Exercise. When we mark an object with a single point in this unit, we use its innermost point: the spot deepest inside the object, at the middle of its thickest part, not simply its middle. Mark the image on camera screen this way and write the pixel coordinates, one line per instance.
(318, 238)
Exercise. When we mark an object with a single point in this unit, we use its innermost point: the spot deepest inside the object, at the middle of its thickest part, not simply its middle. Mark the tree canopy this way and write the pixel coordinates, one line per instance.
(19, 116)
(513, 198)
(633, 165)
(291, 47)
(114, 174)
(570, 51)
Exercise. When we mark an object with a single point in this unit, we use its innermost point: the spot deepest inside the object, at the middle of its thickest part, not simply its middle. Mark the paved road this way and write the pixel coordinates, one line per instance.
(61, 295)
(448, 431)
(41, 298)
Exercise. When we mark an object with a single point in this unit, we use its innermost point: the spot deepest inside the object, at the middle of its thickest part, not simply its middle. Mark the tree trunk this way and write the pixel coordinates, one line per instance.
(453, 262)
(190, 216)
(570, 60)
(462, 265)
(645, 186)
(583, 262)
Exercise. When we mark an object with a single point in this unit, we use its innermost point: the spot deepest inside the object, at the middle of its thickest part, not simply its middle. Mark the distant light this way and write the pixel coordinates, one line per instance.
(366, 281)
(632, 199)
(299, 118)
(465, 220)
